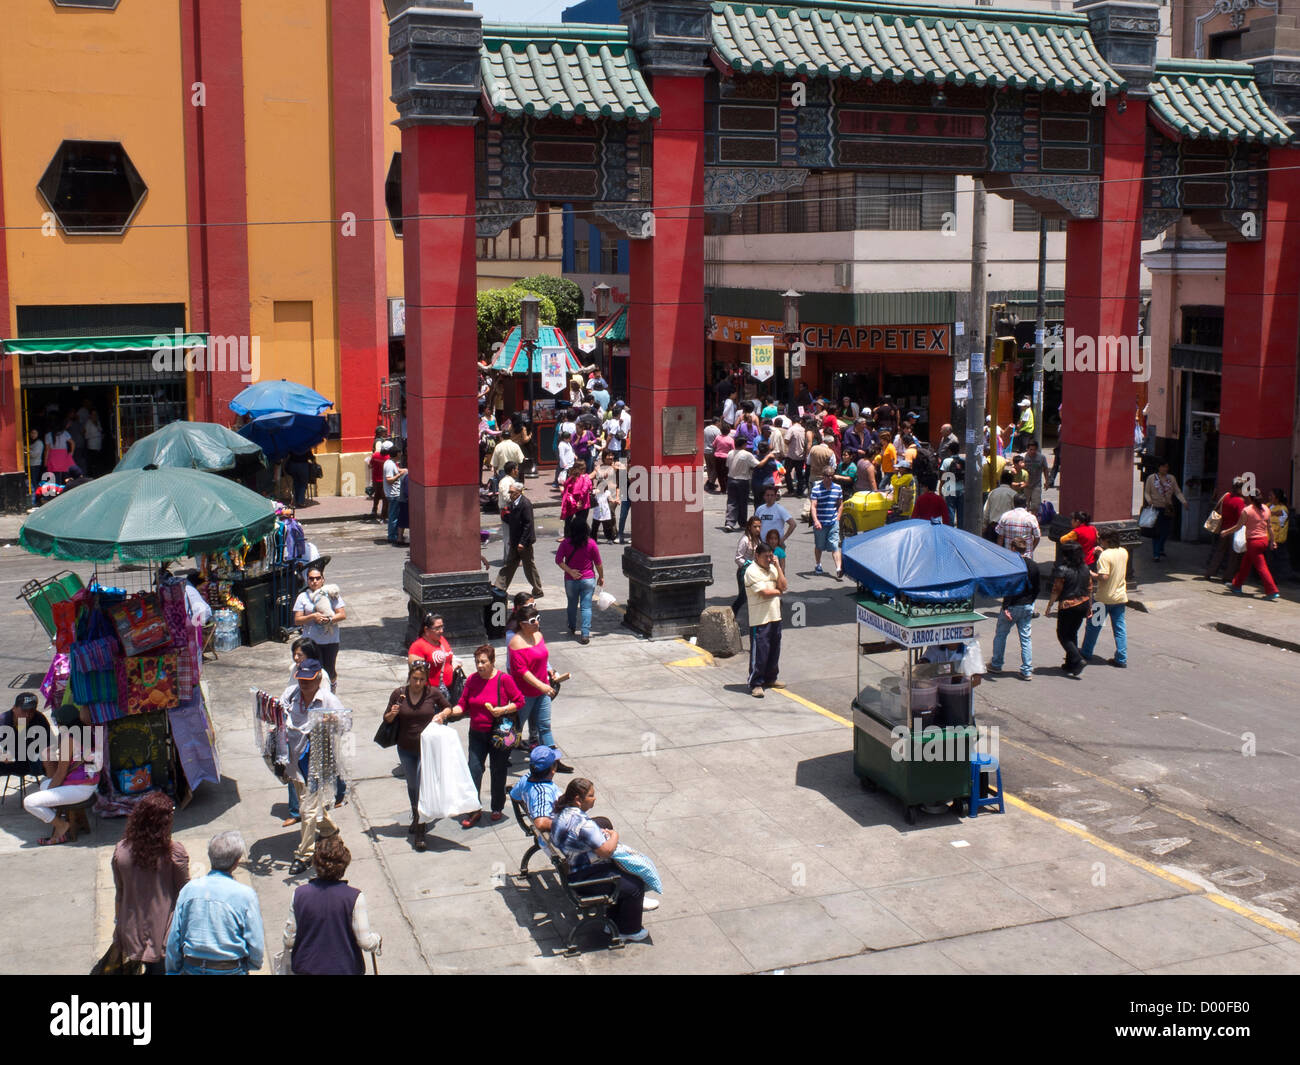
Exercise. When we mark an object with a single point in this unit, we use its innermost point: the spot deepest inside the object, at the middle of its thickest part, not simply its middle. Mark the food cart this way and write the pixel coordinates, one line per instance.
(914, 732)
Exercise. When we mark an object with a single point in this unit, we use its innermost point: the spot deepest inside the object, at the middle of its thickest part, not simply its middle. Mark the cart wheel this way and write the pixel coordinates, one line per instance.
(848, 526)
(868, 784)
(909, 814)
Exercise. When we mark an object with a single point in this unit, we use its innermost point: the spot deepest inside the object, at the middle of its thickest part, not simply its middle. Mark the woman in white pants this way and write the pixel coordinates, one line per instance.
(72, 775)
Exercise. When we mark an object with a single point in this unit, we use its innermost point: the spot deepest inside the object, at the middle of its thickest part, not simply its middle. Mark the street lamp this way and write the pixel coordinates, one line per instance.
(791, 325)
(528, 312)
(603, 294)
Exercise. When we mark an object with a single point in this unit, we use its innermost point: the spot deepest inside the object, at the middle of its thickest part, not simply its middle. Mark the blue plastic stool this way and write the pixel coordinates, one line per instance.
(979, 765)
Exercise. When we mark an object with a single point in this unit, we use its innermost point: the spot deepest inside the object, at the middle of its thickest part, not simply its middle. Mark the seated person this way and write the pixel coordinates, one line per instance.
(71, 775)
(24, 736)
(590, 851)
(537, 791)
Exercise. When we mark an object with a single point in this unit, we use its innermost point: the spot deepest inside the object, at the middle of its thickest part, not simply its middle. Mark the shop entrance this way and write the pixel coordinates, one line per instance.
(1201, 392)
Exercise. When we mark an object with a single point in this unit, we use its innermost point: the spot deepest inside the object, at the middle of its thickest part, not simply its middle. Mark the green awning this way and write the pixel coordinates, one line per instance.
(91, 345)
(1213, 100)
(1043, 51)
(574, 70)
(614, 330)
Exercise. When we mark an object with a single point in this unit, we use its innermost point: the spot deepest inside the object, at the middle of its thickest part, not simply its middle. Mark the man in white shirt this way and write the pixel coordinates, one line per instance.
(316, 820)
(612, 427)
(393, 474)
(729, 411)
(740, 467)
(624, 421)
(506, 451)
(508, 478)
(564, 457)
(711, 433)
(774, 516)
(764, 583)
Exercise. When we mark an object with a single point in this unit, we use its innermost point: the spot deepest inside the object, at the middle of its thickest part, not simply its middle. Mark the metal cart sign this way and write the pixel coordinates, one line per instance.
(906, 636)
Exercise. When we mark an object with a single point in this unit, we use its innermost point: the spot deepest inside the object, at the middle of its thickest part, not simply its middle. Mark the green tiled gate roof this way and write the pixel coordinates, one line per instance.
(1214, 99)
(909, 42)
(574, 70)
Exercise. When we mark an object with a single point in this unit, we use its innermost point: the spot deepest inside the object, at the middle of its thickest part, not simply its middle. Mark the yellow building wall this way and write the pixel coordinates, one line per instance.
(392, 145)
(74, 74)
(289, 179)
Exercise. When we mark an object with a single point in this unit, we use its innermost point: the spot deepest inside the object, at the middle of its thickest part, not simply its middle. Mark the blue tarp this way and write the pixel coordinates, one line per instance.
(931, 562)
(281, 433)
(266, 397)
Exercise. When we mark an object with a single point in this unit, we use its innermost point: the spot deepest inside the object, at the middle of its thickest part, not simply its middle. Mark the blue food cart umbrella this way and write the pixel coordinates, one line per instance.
(281, 433)
(267, 397)
(930, 562)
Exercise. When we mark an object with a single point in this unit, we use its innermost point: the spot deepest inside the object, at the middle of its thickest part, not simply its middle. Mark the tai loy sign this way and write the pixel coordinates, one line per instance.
(849, 339)
(761, 357)
(906, 636)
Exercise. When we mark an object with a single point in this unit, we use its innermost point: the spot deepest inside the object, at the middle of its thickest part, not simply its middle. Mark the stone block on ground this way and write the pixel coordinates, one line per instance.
(719, 634)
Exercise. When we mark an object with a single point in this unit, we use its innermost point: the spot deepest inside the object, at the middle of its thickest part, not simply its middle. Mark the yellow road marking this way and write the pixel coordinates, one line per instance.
(702, 657)
(1190, 818)
(1082, 833)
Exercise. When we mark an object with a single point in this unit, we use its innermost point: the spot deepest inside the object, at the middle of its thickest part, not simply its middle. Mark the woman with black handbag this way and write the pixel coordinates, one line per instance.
(493, 701)
(410, 709)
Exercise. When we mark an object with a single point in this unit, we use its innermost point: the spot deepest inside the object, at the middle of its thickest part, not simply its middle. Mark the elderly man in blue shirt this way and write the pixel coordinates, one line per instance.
(217, 926)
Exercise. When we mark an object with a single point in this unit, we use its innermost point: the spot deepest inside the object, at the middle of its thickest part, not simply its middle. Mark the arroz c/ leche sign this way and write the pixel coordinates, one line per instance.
(915, 637)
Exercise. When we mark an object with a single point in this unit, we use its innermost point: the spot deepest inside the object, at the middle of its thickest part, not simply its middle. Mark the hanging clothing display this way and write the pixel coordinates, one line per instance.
(270, 732)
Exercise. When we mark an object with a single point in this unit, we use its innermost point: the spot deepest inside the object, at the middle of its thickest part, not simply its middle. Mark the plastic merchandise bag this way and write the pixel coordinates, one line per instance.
(972, 659)
(1239, 541)
(605, 600)
(446, 788)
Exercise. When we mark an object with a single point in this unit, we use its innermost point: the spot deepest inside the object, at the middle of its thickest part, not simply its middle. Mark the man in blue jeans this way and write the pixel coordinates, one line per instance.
(1017, 610)
(1110, 600)
(764, 583)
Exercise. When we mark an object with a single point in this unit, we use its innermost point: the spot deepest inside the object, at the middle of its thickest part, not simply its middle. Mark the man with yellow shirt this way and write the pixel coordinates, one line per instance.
(1111, 596)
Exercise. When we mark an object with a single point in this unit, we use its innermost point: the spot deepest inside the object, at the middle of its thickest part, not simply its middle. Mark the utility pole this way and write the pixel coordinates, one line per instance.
(976, 346)
(1040, 333)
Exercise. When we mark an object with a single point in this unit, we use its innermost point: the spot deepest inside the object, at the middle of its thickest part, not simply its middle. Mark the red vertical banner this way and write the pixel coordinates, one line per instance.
(1101, 308)
(438, 205)
(1261, 331)
(12, 449)
(666, 317)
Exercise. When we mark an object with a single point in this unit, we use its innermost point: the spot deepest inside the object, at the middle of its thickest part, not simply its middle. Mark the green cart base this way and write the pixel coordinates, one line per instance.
(918, 768)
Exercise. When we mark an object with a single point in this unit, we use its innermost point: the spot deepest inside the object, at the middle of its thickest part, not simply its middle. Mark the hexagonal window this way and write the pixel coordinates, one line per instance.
(92, 187)
(393, 193)
(98, 5)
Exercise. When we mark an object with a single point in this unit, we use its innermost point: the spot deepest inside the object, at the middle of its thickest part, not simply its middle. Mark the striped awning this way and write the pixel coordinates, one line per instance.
(1042, 51)
(94, 345)
(514, 359)
(1213, 100)
(614, 329)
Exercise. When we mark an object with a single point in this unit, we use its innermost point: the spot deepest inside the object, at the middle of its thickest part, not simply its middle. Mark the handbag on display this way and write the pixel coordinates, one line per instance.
(151, 683)
(140, 624)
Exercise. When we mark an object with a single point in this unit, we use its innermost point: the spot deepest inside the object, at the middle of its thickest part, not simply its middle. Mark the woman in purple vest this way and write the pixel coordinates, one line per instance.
(328, 927)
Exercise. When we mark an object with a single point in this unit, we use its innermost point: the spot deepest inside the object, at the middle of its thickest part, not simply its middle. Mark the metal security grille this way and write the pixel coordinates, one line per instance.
(103, 368)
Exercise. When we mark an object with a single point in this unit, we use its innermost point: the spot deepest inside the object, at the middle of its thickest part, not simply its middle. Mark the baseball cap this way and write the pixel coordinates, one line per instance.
(25, 701)
(308, 669)
(542, 758)
(387, 445)
(1024, 403)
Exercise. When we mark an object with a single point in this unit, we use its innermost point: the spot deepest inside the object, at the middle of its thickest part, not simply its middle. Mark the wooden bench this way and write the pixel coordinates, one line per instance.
(77, 816)
(590, 909)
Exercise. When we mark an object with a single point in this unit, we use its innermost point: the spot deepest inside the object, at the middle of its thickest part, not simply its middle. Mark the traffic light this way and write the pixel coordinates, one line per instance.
(1004, 352)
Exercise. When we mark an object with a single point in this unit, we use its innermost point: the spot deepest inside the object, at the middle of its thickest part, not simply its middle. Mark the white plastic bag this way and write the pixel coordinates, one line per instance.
(1239, 541)
(446, 788)
(604, 600)
(1147, 519)
(972, 659)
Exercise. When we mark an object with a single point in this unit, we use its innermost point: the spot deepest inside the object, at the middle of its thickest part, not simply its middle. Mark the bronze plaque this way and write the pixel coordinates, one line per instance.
(680, 431)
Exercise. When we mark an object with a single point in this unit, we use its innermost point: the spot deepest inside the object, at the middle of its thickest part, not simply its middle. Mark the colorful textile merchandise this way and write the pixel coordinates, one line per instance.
(270, 732)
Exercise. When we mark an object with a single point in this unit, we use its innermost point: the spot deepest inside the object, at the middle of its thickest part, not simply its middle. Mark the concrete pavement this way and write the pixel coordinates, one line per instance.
(772, 855)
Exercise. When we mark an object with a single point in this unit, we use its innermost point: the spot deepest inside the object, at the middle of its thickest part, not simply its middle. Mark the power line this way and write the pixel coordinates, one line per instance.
(1048, 183)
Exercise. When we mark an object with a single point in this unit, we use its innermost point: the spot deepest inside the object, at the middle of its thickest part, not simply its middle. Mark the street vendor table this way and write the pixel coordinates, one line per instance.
(900, 742)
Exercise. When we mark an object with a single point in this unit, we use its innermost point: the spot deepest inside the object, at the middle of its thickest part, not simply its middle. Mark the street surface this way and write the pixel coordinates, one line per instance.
(1151, 826)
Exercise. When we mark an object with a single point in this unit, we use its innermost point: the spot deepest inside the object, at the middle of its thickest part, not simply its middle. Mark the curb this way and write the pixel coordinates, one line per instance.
(1256, 637)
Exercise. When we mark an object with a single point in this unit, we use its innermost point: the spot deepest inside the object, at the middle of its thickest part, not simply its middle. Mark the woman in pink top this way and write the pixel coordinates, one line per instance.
(530, 670)
(579, 557)
(1259, 540)
(489, 696)
(71, 774)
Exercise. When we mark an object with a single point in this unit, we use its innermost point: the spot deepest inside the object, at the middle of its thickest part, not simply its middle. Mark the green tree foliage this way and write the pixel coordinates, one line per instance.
(565, 294)
(498, 313)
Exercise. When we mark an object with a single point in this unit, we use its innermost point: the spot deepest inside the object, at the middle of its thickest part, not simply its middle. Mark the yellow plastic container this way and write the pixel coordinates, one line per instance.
(863, 512)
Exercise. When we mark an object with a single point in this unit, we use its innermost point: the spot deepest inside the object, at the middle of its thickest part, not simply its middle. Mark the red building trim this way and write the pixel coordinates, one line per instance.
(357, 47)
(212, 53)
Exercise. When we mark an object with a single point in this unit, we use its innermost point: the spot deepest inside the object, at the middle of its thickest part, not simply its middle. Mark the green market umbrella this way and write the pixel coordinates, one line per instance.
(190, 445)
(147, 515)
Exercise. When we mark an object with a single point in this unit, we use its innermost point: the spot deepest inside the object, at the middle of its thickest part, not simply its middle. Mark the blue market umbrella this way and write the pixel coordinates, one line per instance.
(267, 397)
(931, 562)
(281, 433)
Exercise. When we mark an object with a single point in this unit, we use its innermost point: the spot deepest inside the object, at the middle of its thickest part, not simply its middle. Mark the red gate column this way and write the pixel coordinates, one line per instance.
(435, 49)
(1102, 283)
(1261, 330)
(666, 568)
